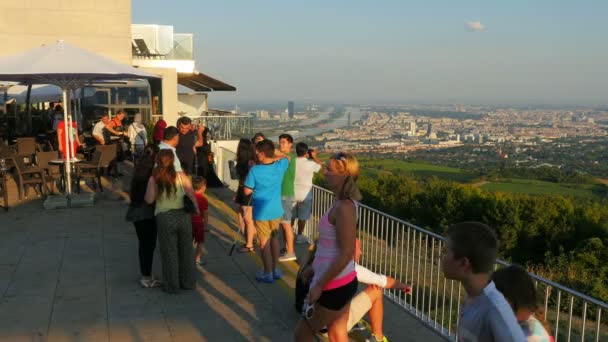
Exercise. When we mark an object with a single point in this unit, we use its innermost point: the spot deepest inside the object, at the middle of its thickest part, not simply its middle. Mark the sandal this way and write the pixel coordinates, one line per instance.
(246, 249)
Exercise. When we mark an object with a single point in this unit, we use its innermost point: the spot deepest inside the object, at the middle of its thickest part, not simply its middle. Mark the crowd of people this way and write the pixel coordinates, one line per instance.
(168, 205)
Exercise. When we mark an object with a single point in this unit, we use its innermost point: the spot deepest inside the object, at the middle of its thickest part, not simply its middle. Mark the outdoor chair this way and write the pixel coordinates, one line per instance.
(90, 170)
(26, 148)
(52, 172)
(134, 49)
(107, 158)
(28, 176)
(144, 50)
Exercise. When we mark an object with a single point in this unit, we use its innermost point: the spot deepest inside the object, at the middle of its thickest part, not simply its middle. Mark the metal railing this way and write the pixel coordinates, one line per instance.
(226, 127)
(412, 255)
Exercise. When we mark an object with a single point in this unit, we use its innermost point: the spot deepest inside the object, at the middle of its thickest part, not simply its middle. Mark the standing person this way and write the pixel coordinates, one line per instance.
(189, 140)
(205, 157)
(259, 136)
(264, 182)
(98, 129)
(518, 288)
(305, 170)
(138, 136)
(369, 300)
(141, 214)
(287, 196)
(61, 137)
(245, 160)
(334, 283)
(200, 220)
(114, 133)
(469, 257)
(169, 142)
(159, 131)
(167, 188)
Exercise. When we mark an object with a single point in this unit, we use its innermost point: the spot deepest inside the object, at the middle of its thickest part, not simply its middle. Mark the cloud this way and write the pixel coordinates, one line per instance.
(474, 26)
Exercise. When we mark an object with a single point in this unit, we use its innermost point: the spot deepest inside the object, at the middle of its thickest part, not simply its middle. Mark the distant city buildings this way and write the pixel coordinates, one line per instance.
(290, 109)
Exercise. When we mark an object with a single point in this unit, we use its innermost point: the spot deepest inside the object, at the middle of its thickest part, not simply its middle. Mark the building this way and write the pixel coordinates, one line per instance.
(290, 109)
(105, 28)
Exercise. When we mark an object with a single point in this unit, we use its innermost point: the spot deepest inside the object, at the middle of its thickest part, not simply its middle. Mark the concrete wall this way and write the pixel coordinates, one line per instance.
(169, 90)
(192, 104)
(101, 26)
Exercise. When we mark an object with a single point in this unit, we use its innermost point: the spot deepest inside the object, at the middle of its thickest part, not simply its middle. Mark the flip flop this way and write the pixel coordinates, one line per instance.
(246, 249)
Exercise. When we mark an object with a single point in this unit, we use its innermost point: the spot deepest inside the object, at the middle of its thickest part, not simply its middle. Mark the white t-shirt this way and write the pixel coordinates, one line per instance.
(305, 169)
(98, 130)
(137, 134)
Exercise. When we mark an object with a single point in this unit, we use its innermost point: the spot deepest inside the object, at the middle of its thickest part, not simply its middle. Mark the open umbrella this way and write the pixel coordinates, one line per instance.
(67, 67)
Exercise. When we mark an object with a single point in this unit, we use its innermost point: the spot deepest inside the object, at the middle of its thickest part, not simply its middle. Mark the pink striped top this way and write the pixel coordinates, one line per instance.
(327, 251)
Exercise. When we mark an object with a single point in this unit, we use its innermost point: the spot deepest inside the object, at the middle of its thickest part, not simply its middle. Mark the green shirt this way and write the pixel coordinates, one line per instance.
(287, 190)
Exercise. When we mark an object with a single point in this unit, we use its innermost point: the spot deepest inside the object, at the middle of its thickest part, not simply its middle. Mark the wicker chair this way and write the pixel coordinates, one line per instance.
(52, 172)
(90, 170)
(29, 176)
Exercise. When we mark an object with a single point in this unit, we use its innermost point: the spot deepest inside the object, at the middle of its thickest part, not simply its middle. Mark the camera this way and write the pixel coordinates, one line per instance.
(308, 310)
(310, 151)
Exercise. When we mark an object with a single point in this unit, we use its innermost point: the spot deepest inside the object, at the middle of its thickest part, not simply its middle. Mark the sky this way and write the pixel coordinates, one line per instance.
(514, 52)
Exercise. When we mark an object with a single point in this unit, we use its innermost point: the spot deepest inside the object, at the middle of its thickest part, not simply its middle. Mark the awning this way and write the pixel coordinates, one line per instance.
(198, 81)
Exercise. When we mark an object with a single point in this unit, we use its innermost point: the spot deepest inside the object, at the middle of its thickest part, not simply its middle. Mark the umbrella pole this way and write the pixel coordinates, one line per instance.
(67, 147)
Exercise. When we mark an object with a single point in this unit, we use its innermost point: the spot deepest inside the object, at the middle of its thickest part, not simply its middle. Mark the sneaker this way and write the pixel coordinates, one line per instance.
(283, 251)
(277, 273)
(262, 277)
(288, 257)
(373, 338)
(301, 239)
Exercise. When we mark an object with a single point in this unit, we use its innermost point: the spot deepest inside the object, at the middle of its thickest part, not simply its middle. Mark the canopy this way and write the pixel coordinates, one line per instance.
(198, 81)
(68, 67)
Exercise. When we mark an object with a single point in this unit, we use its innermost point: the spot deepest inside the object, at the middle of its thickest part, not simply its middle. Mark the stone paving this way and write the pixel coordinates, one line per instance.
(72, 275)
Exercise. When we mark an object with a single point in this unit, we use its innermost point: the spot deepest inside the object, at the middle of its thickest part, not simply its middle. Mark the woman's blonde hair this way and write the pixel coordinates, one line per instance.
(345, 164)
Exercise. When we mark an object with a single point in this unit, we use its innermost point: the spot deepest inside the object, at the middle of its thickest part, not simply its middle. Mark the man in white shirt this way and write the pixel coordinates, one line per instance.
(305, 170)
(368, 300)
(170, 141)
(98, 128)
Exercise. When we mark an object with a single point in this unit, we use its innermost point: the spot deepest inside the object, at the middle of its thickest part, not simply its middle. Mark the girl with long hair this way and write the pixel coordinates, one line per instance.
(245, 159)
(204, 158)
(518, 288)
(142, 215)
(334, 282)
(167, 189)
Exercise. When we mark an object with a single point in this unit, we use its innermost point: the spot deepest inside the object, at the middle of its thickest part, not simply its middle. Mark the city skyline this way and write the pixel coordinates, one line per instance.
(514, 53)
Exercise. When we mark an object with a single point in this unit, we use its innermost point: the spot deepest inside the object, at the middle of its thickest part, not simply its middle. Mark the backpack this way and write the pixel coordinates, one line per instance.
(232, 167)
(302, 289)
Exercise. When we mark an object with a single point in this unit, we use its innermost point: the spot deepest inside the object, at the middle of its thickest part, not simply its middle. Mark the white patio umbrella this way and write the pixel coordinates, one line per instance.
(67, 67)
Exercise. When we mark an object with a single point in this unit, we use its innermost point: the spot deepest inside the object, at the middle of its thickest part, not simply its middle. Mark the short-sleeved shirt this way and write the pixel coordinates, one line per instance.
(287, 189)
(488, 317)
(265, 180)
(61, 126)
(534, 330)
(203, 205)
(305, 170)
(185, 151)
(164, 146)
(98, 130)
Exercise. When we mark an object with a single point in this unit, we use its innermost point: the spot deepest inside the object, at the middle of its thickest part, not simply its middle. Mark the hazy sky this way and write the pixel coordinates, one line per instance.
(452, 51)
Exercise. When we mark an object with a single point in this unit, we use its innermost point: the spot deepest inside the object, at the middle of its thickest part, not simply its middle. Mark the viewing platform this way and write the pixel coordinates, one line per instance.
(72, 275)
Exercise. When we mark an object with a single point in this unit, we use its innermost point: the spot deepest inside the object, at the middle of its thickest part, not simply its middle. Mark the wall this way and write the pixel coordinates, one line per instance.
(101, 26)
(192, 104)
(169, 90)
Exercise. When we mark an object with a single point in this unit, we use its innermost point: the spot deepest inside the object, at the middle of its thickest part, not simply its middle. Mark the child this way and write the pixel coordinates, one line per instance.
(518, 288)
(469, 257)
(199, 184)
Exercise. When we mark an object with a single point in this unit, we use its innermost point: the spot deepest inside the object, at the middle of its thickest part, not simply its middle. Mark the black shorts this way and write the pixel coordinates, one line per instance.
(241, 198)
(335, 299)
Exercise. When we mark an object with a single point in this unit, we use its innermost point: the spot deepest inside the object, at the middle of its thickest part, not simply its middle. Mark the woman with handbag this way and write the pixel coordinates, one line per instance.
(204, 158)
(142, 215)
(172, 192)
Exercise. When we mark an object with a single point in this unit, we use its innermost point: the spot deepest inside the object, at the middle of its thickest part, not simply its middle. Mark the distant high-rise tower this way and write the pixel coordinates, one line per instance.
(290, 109)
(429, 130)
(349, 122)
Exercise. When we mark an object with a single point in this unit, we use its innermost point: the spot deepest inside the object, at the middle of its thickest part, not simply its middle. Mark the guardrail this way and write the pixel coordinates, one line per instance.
(412, 255)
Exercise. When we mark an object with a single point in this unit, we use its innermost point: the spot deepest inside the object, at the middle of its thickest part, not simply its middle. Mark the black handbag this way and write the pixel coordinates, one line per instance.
(189, 205)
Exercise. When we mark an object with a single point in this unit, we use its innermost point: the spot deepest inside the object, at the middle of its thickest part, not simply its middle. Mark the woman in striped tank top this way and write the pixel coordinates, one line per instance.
(335, 281)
